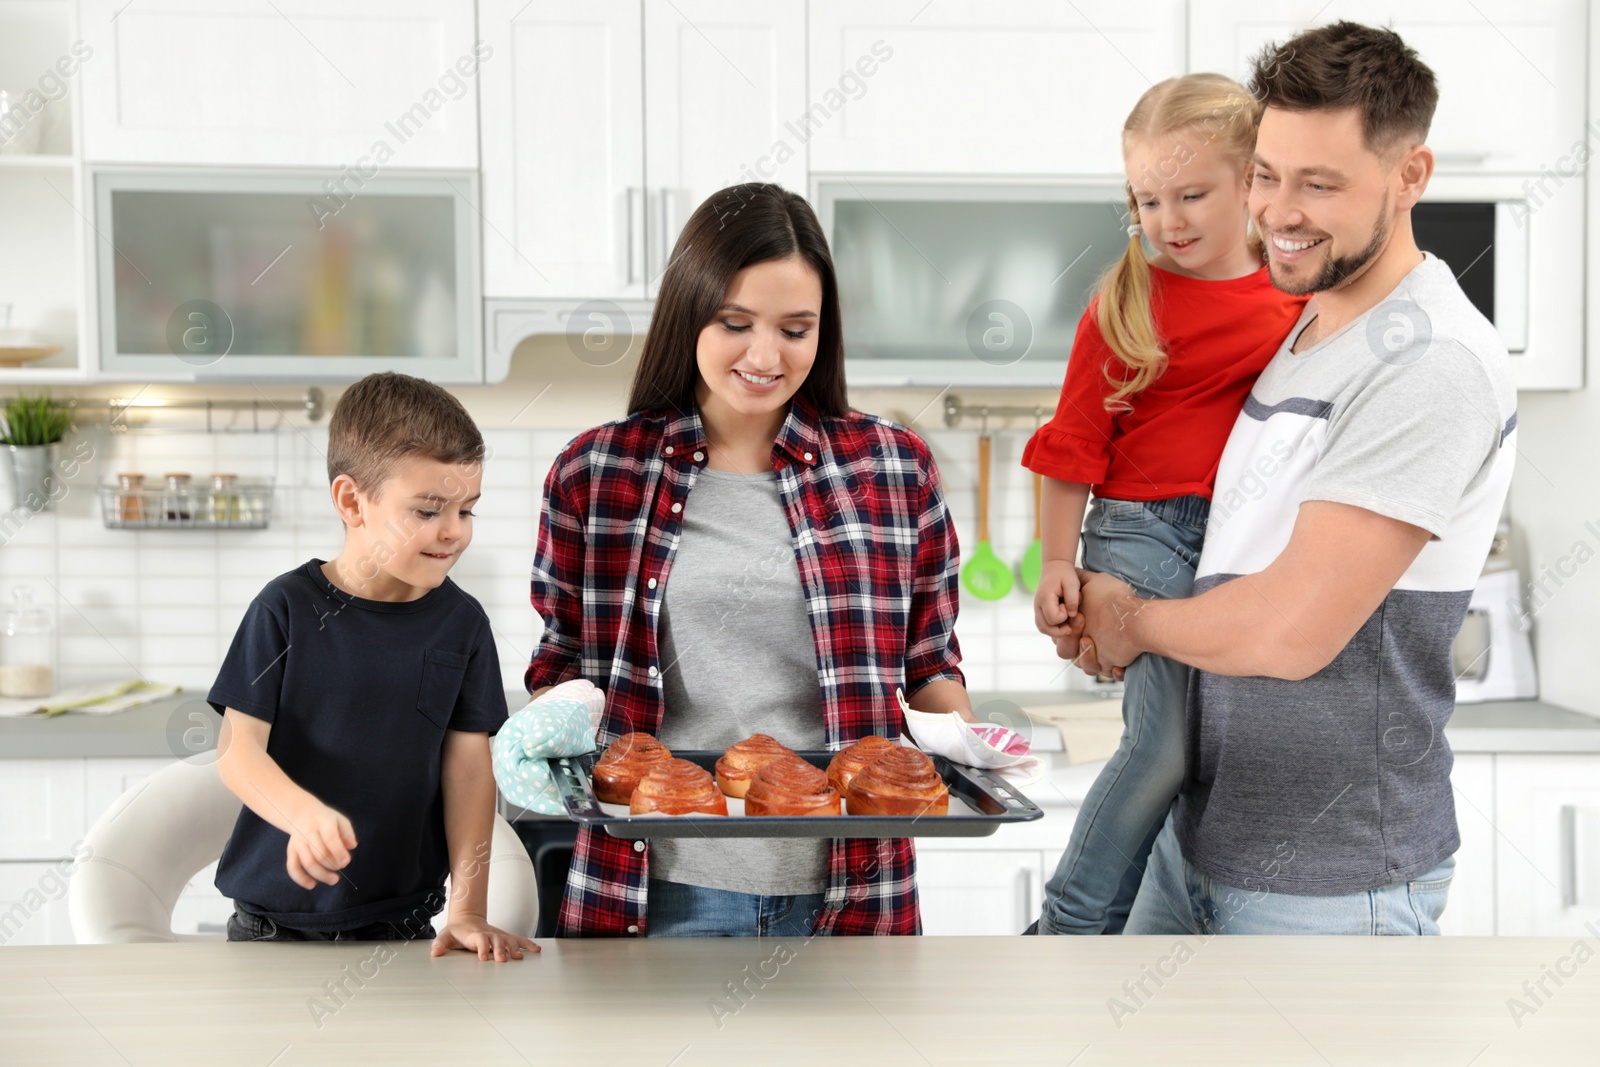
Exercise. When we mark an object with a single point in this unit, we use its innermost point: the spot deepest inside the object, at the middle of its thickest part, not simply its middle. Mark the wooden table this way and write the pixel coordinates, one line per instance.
(839, 1002)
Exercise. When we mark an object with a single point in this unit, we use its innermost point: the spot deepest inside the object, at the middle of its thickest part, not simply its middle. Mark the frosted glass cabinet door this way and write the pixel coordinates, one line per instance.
(216, 276)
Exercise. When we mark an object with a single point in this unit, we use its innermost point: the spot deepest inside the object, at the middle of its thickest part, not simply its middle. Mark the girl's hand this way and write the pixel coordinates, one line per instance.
(474, 934)
(319, 847)
(1056, 602)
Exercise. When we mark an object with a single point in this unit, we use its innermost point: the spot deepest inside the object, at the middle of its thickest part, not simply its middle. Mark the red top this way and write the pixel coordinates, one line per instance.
(1218, 336)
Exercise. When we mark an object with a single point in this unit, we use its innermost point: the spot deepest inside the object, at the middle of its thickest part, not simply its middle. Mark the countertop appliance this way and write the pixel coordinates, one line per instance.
(1493, 653)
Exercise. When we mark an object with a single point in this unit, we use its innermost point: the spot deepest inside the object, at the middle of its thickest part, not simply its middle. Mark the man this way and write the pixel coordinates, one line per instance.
(1354, 506)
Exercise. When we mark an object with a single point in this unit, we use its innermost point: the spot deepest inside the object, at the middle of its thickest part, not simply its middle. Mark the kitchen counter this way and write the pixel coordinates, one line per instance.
(178, 726)
(952, 1000)
(175, 726)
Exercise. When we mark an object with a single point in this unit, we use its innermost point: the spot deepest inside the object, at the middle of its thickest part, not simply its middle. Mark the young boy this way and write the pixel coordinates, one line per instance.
(359, 696)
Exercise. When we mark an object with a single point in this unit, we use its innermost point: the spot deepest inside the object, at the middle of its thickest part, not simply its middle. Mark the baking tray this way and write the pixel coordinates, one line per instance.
(980, 803)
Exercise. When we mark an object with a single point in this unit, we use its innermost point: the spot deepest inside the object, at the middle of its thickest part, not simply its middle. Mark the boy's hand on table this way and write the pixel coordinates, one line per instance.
(319, 847)
(474, 934)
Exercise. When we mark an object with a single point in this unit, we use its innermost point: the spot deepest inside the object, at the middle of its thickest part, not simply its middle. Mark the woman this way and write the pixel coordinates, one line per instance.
(744, 553)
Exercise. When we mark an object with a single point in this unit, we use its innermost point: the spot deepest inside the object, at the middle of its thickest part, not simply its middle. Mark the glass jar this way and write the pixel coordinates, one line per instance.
(27, 648)
(130, 499)
(176, 504)
(224, 499)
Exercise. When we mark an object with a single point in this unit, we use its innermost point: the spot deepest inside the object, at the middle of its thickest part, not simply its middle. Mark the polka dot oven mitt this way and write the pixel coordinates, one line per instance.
(562, 722)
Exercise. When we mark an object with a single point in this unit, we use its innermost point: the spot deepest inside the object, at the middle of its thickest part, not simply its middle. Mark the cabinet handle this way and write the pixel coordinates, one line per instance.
(1027, 896)
(1569, 856)
(632, 228)
(666, 230)
(1461, 156)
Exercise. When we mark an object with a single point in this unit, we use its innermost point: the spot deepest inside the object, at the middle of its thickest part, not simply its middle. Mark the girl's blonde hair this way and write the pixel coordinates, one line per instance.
(1214, 109)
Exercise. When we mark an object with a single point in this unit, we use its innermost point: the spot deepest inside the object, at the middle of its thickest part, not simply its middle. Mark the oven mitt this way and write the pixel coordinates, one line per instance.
(996, 748)
(561, 722)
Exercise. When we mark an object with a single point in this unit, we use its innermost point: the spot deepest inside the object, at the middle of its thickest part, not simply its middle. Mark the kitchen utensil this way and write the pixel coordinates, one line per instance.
(985, 575)
(980, 803)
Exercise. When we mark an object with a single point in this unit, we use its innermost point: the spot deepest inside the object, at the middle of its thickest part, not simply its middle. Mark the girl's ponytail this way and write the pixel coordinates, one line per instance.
(1126, 322)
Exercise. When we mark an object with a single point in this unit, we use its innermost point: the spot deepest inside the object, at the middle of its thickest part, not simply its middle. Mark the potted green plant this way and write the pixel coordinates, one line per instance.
(34, 425)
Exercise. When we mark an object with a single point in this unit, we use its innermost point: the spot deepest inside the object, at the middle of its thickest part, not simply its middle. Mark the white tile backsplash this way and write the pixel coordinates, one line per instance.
(163, 605)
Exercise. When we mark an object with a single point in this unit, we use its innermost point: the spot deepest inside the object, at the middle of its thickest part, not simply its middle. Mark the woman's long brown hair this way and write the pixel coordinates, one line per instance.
(736, 228)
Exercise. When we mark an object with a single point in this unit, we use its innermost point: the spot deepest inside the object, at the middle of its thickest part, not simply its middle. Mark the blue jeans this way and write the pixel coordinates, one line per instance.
(1177, 899)
(1154, 547)
(679, 910)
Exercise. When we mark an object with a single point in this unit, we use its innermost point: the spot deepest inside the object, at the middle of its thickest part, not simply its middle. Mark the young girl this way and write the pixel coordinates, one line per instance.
(744, 553)
(1162, 363)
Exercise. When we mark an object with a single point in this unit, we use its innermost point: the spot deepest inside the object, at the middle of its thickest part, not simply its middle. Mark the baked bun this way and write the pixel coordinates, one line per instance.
(619, 768)
(899, 782)
(743, 759)
(677, 787)
(789, 785)
(847, 763)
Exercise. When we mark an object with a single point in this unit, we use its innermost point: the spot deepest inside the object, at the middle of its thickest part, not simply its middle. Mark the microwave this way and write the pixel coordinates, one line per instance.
(982, 282)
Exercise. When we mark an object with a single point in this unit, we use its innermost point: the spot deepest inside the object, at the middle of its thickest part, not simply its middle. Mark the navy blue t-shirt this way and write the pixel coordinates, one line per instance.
(359, 694)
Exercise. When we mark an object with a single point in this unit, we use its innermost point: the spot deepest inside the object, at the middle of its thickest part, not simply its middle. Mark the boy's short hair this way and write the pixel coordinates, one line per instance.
(1344, 65)
(386, 417)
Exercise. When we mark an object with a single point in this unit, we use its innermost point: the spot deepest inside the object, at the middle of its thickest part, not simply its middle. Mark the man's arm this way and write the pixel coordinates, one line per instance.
(1288, 621)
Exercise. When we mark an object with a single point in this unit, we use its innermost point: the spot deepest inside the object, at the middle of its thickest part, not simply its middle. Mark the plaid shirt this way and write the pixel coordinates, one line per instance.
(878, 564)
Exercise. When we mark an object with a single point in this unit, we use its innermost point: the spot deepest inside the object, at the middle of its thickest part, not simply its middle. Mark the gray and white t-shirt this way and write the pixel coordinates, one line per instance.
(1341, 782)
(739, 658)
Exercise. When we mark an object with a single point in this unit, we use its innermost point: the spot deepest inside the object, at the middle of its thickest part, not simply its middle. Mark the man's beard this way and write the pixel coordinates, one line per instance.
(1335, 272)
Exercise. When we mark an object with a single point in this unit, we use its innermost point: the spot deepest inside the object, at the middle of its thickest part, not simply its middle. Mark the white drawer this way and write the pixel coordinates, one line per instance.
(41, 808)
(33, 904)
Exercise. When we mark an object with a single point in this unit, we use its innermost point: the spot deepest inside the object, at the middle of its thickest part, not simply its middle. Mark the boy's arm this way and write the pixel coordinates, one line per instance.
(320, 839)
(467, 779)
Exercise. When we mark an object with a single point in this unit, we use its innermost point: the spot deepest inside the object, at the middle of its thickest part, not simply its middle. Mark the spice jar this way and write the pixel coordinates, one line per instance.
(130, 499)
(224, 499)
(175, 502)
(27, 649)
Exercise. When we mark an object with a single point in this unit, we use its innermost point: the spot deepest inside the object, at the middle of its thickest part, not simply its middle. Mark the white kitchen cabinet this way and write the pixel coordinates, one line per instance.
(563, 148)
(1026, 88)
(1548, 863)
(41, 808)
(295, 82)
(33, 904)
(724, 102)
(979, 892)
(605, 124)
(1470, 907)
(1507, 69)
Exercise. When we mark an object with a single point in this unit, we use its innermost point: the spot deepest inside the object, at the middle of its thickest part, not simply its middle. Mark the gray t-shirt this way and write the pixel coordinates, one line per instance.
(739, 659)
(1341, 783)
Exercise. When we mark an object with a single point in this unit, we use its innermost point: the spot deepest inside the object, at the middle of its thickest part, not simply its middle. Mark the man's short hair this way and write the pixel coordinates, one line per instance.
(1348, 65)
(386, 417)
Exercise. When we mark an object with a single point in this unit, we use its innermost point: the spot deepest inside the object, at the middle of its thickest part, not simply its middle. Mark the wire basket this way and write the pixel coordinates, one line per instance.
(245, 505)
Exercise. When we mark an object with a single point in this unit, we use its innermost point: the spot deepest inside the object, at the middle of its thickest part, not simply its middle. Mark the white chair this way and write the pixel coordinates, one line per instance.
(159, 834)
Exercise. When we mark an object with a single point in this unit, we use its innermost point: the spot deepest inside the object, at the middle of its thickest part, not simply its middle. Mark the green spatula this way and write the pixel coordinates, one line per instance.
(985, 575)
(1032, 566)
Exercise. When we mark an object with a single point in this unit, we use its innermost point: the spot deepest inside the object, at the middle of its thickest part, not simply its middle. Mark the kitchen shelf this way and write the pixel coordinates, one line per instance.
(246, 506)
